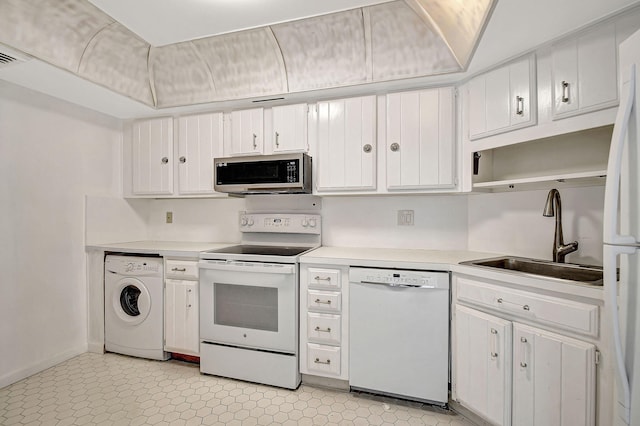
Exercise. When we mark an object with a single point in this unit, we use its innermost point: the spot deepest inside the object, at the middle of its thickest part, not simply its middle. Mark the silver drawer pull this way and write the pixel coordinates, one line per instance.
(179, 269)
(565, 91)
(523, 339)
(324, 302)
(164, 160)
(317, 361)
(319, 278)
(494, 355)
(326, 330)
(523, 364)
(526, 307)
(499, 300)
(519, 105)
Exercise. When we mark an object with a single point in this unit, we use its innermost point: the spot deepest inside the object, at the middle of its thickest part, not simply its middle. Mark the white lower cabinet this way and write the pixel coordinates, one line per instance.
(324, 327)
(181, 307)
(483, 364)
(514, 374)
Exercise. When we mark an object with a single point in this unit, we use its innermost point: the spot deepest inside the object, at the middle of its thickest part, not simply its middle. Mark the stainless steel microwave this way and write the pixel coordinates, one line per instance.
(264, 174)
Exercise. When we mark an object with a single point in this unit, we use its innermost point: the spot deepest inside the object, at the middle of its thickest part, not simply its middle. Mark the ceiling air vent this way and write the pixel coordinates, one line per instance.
(8, 57)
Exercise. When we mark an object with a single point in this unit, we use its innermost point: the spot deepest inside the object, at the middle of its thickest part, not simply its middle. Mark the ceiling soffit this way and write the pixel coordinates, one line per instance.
(394, 40)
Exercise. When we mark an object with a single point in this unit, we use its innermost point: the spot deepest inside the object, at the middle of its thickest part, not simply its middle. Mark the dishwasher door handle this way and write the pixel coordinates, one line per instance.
(394, 285)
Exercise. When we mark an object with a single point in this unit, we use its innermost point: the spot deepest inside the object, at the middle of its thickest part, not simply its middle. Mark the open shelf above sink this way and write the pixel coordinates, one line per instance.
(567, 180)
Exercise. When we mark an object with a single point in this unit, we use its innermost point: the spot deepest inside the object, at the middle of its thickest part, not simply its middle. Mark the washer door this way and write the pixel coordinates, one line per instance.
(131, 301)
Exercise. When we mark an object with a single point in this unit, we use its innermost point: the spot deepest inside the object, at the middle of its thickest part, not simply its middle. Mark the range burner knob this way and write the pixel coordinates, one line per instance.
(243, 221)
(250, 223)
(305, 222)
(312, 223)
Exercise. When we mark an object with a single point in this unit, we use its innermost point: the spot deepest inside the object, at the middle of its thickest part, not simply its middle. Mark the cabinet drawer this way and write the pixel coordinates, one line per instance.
(329, 301)
(548, 310)
(318, 277)
(323, 328)
(181, 269)
(323, 359)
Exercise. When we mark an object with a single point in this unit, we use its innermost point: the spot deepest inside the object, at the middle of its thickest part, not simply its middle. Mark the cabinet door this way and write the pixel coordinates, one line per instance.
(181, 327)
(483, 364)
(520, 93)
(290, 128)
(498, 98)
(585, 73)
(247, 131)
(152, 168)
(553, 379)
(420, 139)
(346, 144)
(199, 142)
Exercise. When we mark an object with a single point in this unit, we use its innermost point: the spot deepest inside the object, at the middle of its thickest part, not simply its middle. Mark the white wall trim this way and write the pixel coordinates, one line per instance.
(32, 369)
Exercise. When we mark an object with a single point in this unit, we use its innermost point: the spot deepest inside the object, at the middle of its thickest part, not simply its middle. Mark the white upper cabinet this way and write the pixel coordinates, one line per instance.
(247, 132)
(503, 99)
(584, 73)
(199, 142)
(346, 138)
(290, 128)
(152, 157)
(420, 139)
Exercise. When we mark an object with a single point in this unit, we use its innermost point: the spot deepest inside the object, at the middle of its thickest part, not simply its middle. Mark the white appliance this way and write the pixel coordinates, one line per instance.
(249, 300)
(399, 333)
(622, 240)
(134, 306)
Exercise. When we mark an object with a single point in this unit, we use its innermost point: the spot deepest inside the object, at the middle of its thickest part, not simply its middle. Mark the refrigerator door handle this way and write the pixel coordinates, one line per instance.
(610, 255)
(612, 188)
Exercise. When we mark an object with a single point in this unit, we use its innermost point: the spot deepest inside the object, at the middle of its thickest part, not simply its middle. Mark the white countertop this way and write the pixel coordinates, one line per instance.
(392, 258)
(162, 248)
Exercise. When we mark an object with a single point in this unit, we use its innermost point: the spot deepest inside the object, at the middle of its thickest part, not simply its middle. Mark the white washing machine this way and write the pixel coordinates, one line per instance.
(134, 306)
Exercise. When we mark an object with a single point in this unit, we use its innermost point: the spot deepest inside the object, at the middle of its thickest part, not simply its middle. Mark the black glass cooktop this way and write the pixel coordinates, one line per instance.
(262, 250)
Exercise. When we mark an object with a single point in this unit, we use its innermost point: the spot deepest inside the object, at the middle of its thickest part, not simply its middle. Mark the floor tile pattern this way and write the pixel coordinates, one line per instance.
(110, 389)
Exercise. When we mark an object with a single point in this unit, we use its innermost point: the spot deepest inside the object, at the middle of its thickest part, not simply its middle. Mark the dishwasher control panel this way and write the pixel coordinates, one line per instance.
(400, 278)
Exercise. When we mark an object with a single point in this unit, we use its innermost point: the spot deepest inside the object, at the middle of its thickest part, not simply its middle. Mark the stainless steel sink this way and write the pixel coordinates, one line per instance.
(586, 274)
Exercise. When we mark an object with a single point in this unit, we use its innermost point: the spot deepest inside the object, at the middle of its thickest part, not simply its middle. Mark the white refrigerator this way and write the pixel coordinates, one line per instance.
(622, 237)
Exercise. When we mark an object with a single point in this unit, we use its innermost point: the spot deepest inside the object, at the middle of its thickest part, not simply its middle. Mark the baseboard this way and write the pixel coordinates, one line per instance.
(23, 373)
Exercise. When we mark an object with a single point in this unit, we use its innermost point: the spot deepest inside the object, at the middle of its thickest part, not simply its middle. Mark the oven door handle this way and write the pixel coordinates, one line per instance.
(256, 267)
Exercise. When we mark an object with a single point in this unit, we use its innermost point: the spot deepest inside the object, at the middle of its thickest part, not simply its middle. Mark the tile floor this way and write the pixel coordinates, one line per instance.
(110, 389)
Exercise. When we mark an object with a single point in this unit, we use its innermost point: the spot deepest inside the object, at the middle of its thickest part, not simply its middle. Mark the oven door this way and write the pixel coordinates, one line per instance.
(249, 304)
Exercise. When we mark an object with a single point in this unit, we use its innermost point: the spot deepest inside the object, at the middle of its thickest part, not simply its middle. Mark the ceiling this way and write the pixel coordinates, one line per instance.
(177, 21)
(514, 27)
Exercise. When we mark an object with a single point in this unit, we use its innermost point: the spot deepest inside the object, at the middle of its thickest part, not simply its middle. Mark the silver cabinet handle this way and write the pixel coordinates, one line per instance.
(367, 148)
(277, 137)
(189, 290)
(324, 302)
(164, 160)
(523, 340)
(523, 364)
(499, 300)
(565, 91)
(255, 145)
(526, 307)
(395, 147)
(319, 278)
(327, 362)
(183, 159)
(519, 105)
(179, 270)
(494, 344)
(326, 330)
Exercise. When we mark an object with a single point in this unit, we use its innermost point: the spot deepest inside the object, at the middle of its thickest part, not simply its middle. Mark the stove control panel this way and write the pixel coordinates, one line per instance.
(282, 223)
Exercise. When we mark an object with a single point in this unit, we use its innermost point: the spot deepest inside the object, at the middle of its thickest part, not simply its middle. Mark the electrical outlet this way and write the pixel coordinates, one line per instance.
(169, 217)
(405, 217)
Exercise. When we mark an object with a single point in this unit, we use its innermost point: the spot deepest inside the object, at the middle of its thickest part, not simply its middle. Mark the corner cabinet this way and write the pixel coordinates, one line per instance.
(346, 138)
(324, 328)
(420, 138)
(152, 157)
(584, 73)
(503, 99)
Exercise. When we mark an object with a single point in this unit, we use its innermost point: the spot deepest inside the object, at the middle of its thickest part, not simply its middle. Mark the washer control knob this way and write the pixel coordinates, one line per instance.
(312, 223)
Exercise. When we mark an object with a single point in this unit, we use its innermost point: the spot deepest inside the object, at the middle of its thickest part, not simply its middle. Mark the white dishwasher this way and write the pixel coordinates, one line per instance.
(399, 333)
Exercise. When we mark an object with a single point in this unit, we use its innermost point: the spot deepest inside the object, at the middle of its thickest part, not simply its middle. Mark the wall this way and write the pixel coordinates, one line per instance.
(512, 223)
(51, 155)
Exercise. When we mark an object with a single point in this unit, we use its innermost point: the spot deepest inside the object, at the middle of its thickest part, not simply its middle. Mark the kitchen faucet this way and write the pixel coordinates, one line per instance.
(553, 207)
